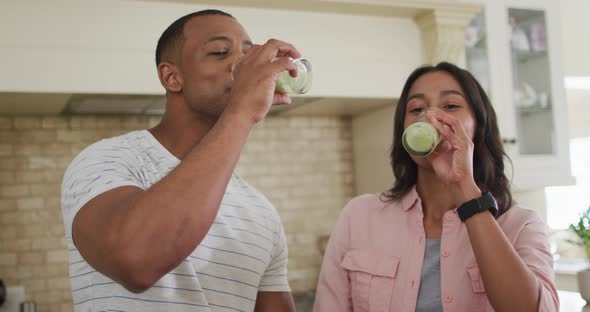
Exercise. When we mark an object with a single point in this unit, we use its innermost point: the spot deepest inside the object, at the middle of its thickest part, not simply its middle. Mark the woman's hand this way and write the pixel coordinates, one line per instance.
(452, 161)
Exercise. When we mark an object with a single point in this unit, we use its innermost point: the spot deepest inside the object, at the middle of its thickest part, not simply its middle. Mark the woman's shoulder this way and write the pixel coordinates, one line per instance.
(367, 204)
(523, 213)
(517, 217)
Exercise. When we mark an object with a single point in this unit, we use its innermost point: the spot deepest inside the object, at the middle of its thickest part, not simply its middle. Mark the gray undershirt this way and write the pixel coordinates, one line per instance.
(429, 298)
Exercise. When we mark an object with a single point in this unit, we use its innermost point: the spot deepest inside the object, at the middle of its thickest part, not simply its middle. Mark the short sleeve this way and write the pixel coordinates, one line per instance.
(97, 169)
(275, 276)
(532, 246)
(333, 290)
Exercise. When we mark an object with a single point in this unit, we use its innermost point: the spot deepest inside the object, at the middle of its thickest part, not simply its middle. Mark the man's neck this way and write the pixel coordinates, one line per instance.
(179, 132)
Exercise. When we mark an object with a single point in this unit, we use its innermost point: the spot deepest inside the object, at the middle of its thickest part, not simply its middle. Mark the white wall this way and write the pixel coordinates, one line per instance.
(576, 48)
(107, 46)
(579, 112)
(372, 138)
(576, 43)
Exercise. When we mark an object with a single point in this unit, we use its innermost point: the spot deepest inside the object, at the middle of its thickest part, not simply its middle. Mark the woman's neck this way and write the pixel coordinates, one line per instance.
(435, 195)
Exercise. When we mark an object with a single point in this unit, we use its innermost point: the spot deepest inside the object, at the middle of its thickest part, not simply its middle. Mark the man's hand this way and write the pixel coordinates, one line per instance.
(253, 91)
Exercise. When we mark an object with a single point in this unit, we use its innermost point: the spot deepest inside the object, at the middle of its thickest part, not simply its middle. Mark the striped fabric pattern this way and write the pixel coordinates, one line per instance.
(244, 252)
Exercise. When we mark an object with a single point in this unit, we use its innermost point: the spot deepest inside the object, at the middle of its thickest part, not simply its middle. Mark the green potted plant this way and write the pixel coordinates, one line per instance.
(582, 231)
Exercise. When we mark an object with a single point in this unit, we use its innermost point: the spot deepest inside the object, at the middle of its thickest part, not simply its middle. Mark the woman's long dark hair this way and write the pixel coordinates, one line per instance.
(488, 153)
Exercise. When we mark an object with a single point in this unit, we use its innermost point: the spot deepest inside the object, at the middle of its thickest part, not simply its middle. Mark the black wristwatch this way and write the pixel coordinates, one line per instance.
(477, 205)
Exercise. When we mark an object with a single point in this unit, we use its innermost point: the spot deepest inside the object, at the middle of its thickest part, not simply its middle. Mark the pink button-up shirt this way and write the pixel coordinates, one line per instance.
(375, 254)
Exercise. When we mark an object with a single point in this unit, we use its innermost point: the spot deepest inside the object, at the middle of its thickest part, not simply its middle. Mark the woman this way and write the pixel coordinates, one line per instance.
(438, 241)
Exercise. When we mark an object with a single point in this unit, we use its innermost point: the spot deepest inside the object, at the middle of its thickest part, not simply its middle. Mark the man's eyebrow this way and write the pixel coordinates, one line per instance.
(216, 38)
(224, 38)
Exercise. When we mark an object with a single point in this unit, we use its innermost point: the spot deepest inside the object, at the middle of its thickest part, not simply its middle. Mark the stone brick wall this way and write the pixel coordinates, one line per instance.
(303, 164)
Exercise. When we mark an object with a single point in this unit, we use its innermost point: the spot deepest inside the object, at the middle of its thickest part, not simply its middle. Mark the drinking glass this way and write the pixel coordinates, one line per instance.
(420, 138)
(291, 85)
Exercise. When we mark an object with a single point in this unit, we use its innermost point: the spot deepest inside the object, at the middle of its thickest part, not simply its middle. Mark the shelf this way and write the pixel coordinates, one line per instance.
(525, 56)
(481, 44)
(535, 109)
(570, 266)
(330, 106)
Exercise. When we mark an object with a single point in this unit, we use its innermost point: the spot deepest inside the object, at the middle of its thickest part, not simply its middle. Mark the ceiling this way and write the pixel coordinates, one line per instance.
(407, 9)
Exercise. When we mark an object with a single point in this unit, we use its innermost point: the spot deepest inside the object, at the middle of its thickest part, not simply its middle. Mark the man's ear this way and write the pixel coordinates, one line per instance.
(170, 77)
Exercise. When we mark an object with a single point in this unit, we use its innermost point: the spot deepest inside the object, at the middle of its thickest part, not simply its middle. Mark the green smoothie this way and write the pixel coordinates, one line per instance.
(295, 85)
(420, 138)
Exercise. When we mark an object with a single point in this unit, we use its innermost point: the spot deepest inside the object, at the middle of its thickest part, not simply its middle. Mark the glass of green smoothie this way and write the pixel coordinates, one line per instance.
(287, 84)
(420, 138)
(295, 85)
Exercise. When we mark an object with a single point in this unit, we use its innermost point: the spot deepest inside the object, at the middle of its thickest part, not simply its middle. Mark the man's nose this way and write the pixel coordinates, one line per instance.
(235, 60)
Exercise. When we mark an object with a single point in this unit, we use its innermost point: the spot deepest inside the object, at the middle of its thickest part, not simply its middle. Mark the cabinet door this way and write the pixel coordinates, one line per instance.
(532, 96)
(476, 51)
(525, 78)
(485, 59)
(537, 133)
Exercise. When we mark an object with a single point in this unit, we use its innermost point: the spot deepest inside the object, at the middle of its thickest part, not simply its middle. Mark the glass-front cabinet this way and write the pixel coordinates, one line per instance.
(531, 82)
(476, 51)
(513, 48)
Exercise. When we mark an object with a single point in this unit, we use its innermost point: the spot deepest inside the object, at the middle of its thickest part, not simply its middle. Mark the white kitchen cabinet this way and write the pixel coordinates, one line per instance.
(514, 50)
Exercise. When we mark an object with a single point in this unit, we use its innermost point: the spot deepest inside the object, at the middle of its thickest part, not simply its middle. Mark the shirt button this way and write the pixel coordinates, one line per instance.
(445, 253)
(448, 299)
(449, 217)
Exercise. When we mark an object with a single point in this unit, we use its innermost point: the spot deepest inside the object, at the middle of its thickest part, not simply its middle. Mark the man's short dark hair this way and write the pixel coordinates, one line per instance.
(173, 36)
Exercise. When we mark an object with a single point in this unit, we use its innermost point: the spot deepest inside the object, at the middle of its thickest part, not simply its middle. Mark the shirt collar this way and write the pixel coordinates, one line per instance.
(410, 199)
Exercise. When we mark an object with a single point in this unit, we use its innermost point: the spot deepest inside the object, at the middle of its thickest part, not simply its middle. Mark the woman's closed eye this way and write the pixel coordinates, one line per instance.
(417, 110)
(219, 53)
(451, 106)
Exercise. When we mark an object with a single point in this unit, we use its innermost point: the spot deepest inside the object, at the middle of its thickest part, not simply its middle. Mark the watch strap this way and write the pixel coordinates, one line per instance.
(478, 205)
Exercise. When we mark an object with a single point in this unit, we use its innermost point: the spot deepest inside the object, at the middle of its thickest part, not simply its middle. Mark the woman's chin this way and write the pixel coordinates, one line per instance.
(440, 153)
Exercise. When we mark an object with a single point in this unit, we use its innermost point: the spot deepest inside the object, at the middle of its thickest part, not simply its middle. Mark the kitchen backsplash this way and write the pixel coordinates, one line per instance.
(302, 164)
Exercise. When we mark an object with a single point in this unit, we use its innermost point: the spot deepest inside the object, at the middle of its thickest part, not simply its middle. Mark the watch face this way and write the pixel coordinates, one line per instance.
(489, 202)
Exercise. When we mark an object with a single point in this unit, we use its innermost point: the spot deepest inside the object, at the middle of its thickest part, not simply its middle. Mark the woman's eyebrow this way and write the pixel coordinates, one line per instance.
(449, 92)
(416, 96)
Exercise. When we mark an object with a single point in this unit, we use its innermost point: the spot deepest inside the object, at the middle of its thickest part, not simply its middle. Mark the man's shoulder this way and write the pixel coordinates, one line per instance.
(110, 150)
(124, 142)
(121, 144)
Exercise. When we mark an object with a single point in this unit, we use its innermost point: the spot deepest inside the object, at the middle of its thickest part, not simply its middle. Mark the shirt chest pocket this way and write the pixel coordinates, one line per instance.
(372, 279)
(476, 281)
(480, 300)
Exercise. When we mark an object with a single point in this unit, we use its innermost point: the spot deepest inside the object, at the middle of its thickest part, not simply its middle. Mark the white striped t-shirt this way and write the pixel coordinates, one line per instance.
(244, 252)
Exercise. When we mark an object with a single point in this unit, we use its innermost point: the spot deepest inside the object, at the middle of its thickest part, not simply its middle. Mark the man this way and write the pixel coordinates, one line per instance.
(156, 220)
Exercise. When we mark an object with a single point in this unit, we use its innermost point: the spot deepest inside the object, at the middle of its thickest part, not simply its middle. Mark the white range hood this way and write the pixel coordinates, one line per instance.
(67, 50)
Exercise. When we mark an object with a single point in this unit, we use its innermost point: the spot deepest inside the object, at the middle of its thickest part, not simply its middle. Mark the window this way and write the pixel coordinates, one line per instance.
(565, 203)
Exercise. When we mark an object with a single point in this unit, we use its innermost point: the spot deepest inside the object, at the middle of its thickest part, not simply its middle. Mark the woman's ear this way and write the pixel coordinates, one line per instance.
(170, 77)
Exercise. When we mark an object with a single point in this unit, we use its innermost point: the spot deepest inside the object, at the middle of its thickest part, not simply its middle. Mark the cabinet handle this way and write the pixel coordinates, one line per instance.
(509, 141)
